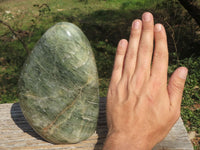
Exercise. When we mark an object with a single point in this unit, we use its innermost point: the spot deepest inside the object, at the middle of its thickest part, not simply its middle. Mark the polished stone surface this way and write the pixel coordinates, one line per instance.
(58, 86)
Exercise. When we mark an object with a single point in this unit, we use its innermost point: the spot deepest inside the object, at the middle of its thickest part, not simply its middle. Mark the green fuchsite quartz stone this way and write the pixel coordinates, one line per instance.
(58, 86)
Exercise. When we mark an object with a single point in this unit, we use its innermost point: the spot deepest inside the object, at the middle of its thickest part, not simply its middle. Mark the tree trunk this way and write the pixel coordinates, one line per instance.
(192, 9)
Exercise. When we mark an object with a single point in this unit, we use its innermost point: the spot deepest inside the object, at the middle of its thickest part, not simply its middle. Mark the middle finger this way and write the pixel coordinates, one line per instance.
(146, 46)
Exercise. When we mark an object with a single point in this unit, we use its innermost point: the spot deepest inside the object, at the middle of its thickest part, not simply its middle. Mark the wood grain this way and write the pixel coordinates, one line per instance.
(16, 134)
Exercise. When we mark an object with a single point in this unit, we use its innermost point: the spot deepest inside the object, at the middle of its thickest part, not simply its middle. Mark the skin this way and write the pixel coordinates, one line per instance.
(141, 106)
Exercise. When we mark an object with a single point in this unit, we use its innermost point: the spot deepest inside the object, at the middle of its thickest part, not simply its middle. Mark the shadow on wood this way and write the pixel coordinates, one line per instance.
(101, 130)
(21, 122)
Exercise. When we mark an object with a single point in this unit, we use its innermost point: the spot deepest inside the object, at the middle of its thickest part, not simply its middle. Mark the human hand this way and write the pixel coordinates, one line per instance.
(141, 107)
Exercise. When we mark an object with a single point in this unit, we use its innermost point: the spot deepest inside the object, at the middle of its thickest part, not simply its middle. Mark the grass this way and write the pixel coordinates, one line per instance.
(104, 23)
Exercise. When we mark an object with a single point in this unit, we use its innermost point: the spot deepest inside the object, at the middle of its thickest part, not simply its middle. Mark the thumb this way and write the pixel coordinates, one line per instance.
(176, 86)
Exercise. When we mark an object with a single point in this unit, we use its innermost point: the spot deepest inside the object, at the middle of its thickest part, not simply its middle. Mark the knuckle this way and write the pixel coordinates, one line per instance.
(150, 97)
(112, 90)
(157, 83)
(177, 86)
(160, 54)
(120, 51)
(161, 38)
(135, 34)
(148, 28)
(146, 47)
(130, 56)
(144, 68)
(117, 67)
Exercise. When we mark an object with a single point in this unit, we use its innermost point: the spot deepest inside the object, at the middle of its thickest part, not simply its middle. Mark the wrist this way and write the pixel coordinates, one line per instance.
(119, 141)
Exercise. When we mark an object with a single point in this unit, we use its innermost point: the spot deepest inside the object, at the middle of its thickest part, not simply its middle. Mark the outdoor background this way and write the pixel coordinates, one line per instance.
(105, 22)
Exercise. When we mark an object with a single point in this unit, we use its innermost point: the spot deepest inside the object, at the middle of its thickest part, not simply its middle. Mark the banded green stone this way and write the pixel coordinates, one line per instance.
(58, 86)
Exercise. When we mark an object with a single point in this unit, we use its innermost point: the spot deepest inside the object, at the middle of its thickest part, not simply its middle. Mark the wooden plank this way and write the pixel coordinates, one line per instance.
(15, 133)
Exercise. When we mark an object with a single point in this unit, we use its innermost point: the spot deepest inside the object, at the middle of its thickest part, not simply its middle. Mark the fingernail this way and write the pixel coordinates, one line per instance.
(158, 27)
(182, 72)
(146, 17)
(122, 43)
(136, 25)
